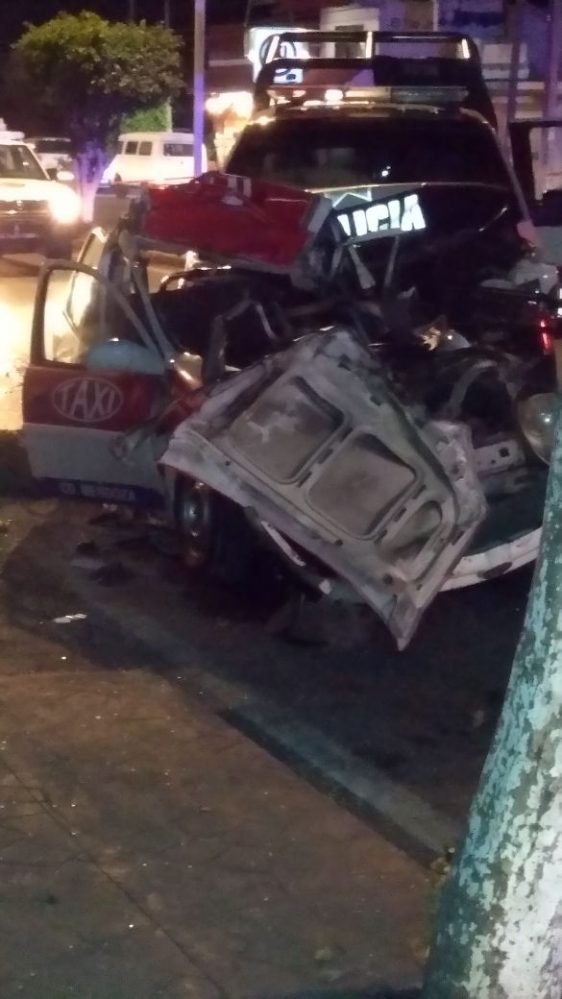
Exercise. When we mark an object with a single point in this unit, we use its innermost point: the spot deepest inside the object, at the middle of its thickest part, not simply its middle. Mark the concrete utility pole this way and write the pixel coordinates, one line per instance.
(498, 930)
(167, 13)
(199, 85)
(435, 15)
(553, 58)
(515, 61)
(132, 10)
(550, 94)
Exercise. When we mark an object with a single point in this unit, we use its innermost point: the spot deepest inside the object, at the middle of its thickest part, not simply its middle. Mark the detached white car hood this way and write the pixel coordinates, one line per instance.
(313, 442)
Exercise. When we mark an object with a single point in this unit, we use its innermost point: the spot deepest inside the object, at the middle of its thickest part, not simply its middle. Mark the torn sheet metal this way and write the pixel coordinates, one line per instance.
(254, 224)
(313, 441)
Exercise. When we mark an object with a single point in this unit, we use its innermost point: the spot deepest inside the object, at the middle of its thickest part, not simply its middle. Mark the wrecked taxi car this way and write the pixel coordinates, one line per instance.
(303, 390)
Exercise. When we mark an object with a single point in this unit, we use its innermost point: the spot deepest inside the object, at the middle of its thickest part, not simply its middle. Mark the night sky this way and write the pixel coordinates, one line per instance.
(13, 15)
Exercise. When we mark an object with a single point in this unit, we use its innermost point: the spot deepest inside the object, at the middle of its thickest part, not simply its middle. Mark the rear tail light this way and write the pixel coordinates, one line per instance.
(549, 329)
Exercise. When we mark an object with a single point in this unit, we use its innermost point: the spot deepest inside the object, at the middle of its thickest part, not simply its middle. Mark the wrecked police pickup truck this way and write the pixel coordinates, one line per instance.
(303, 390)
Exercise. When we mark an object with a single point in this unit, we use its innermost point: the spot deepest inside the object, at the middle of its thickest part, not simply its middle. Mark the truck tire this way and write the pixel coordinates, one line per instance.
(217, 542)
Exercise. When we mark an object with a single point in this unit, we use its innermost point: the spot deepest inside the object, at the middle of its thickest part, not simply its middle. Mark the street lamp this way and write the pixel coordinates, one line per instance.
(199, 85)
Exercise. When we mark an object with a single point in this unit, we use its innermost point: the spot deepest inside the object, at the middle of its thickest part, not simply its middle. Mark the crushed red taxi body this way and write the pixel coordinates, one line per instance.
(291, 386)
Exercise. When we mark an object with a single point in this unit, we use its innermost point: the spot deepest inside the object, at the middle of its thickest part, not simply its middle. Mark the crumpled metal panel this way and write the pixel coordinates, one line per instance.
(314, 442)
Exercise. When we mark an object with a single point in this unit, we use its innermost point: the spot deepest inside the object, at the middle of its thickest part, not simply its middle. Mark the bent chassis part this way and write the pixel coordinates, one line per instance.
(313, 442)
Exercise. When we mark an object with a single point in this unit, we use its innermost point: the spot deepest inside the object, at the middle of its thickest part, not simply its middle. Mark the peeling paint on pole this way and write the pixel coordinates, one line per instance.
(499, 930)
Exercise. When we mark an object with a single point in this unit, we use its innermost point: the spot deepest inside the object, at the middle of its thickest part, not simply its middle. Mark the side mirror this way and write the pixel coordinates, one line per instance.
(123, 355)
(52, 173)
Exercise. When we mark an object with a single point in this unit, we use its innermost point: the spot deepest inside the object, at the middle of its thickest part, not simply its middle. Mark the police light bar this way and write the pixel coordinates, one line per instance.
(425, 95)
(434, 81)
(332, 96)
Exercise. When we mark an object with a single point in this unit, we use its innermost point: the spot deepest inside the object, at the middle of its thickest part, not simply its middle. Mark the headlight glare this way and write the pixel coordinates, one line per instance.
(65, 205)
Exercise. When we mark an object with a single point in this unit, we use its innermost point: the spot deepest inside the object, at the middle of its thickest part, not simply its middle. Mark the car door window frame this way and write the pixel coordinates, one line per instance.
(522, 156)
(37, 352)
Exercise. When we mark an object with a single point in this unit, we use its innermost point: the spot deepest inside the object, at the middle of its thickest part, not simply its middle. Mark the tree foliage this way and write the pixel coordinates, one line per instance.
(153, 119)
(89, 72)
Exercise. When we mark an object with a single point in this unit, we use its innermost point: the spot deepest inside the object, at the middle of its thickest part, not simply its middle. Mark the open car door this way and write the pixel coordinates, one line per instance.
(92, 383)
(312, 443)
(537, 159)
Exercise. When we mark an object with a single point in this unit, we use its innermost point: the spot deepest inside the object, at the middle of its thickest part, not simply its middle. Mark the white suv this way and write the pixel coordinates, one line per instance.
(36, 213)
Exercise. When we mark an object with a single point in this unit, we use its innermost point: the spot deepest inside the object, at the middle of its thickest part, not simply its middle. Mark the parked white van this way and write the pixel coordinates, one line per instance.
(152, 157)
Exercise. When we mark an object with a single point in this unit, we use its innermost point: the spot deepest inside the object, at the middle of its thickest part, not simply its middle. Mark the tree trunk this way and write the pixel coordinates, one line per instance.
(88, 199)
(499, 928)
(89, 167)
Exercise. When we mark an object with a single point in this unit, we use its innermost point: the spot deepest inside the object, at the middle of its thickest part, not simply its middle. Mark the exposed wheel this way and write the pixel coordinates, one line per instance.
(217, 542)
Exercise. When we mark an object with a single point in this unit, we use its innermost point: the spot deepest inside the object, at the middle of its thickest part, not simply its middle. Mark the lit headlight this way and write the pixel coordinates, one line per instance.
(65, 205)
(537, 418)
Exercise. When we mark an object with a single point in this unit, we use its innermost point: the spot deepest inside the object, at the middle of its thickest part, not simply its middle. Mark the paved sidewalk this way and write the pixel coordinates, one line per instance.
(148, 849)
